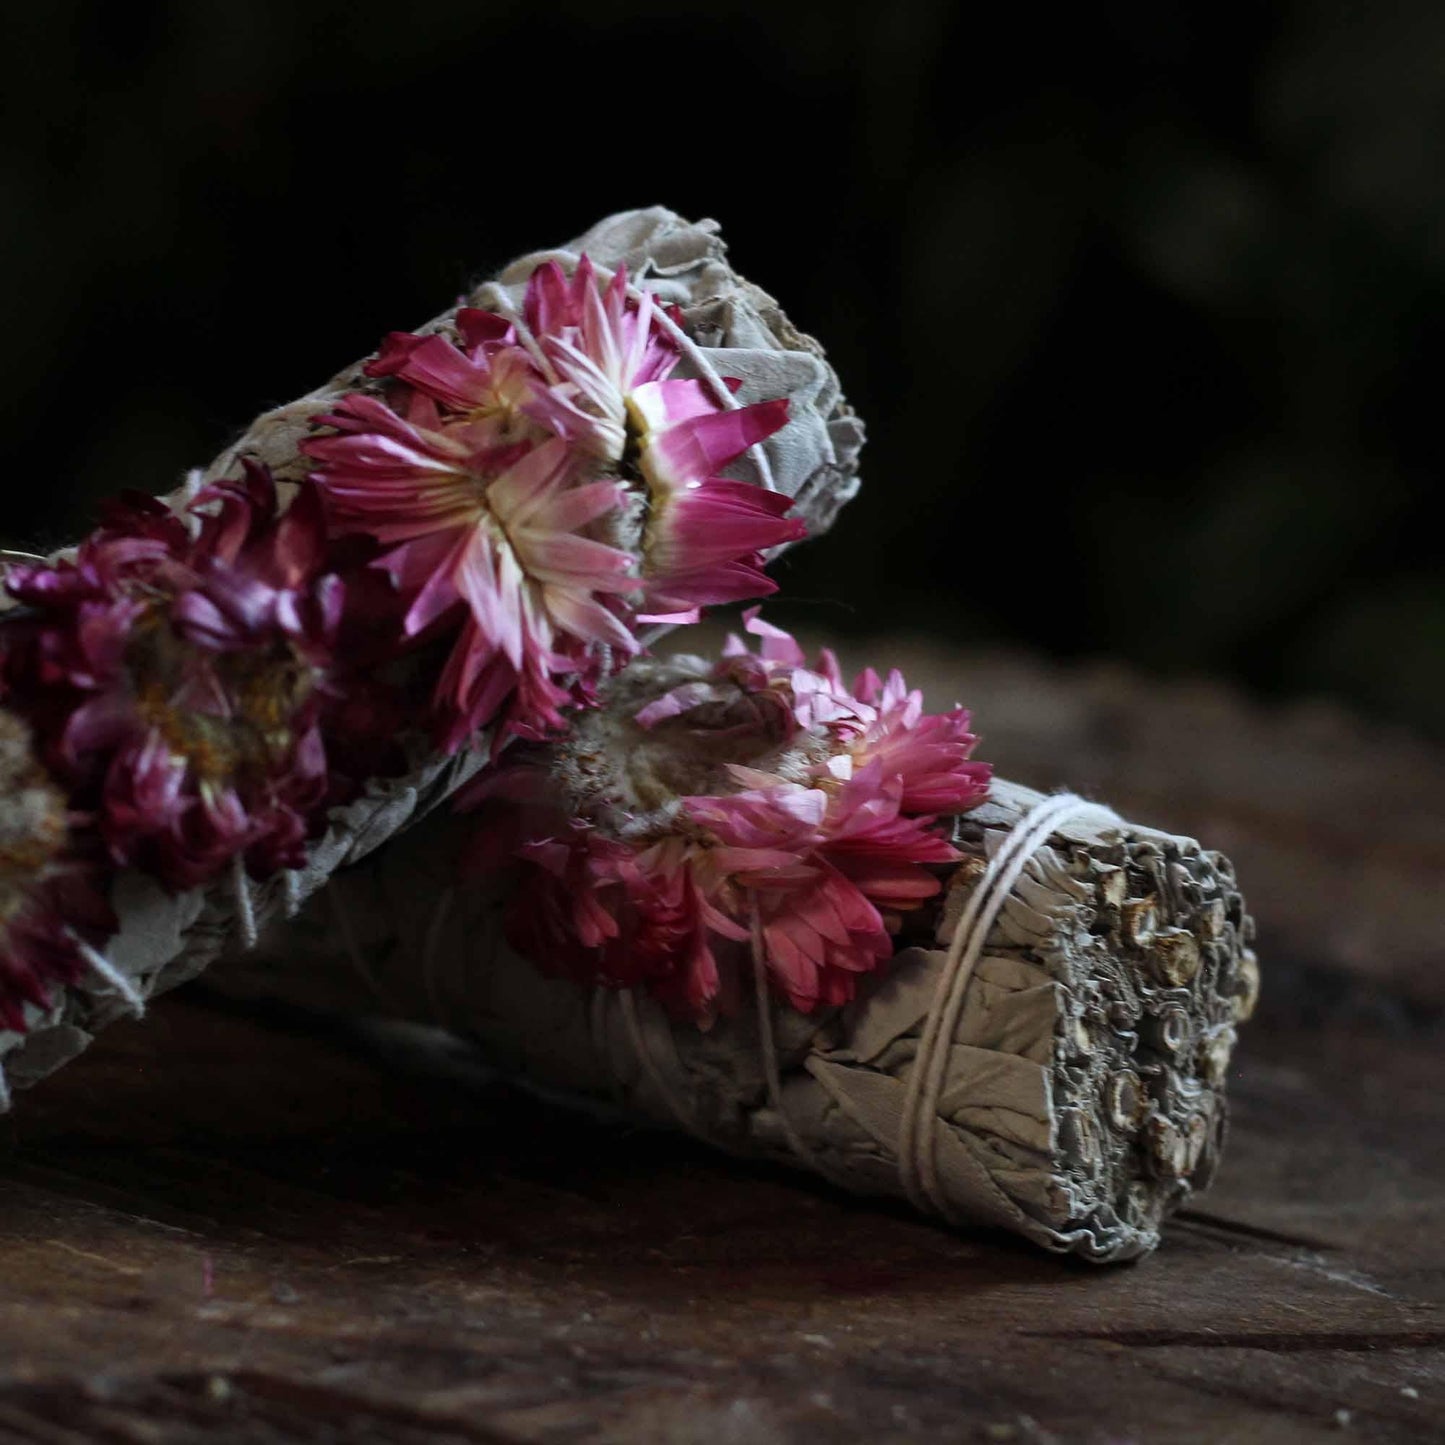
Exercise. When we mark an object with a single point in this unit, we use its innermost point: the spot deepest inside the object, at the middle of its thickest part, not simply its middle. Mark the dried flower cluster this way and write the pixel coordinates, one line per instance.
(541, 486)
(759, 813)
(193, 689)
(50, 902)
(176, 681)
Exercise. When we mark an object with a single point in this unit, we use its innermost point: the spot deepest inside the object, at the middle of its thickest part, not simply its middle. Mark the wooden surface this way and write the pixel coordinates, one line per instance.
(222, 1228)
(219, 1228)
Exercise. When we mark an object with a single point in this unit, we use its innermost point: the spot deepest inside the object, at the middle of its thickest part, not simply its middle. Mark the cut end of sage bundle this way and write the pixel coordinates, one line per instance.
(1087, 1068)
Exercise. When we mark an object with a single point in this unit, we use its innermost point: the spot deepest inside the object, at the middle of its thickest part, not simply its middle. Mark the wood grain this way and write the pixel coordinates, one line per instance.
(226, 1228)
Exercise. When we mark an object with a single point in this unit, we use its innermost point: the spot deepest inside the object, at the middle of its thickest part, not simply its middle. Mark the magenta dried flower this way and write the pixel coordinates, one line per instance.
(537, 495)
(52, 899)
(178, 681)
(759, 808)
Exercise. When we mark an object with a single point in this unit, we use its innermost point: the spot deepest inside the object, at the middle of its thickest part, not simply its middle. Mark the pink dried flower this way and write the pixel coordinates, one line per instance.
(706, 535)
(492, 536)
(535, 502)
(51, 895)
(600, 346)
(486, 380)
(705, 801)
(178, 682)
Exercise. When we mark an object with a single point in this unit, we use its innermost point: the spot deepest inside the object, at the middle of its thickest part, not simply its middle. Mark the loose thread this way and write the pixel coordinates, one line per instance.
(245, 907)
(627, 1002)
(767, 1047)
(100, 964)
(291, 884)
(918, 1138)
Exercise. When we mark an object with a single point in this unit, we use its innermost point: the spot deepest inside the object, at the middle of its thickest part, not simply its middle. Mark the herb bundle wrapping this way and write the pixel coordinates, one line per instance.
(1081, 1096)
(724, 327)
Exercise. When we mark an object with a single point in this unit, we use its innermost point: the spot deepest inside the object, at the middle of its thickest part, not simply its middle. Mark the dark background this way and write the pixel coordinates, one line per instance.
(1145, 308)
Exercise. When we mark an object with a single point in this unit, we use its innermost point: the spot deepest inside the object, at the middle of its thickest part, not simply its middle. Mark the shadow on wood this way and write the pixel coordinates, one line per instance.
(227, 1228)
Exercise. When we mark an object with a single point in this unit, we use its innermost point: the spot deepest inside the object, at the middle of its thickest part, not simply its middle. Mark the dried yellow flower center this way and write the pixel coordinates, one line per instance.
(243, 727)
(33, 818)
(510, 420)
(612, 769)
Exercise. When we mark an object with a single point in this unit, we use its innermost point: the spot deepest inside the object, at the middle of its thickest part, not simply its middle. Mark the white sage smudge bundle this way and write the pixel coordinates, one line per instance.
(1040, 1044)
(570, 384)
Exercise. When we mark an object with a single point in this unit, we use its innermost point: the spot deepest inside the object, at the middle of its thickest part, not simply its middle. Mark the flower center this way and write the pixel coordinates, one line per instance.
(508, 419)
(230, 715)
(33, 822)
(631, 779)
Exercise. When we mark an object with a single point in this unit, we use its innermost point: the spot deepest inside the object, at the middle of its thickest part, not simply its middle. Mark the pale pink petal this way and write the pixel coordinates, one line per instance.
(701, 446)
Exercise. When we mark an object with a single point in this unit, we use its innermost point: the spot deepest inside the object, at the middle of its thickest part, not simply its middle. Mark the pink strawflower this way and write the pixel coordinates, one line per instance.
(490, 539)
(52, 899)
(704, 803)
(537, 495)
(706, 535)
(599, 346)
(485, 379)
(178, 682)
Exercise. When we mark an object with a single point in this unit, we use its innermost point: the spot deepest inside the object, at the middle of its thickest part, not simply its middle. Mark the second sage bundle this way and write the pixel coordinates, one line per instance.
(1040, 1044)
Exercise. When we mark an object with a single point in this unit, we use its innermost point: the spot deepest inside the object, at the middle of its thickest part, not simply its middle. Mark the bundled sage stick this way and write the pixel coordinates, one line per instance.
(1040, 1043)
(194, 677)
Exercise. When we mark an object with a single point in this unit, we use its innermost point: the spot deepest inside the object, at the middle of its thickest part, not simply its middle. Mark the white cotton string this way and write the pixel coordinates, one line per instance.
(627, 1002)
(918, 1138)
(768, 1048)
(100, 964)
(570, 260)
(291, 885)
(245, 907)
(710, 377)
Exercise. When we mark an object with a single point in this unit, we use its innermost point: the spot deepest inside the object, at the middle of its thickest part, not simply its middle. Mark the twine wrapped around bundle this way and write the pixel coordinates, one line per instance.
(1045, 1053)
(728, 328)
